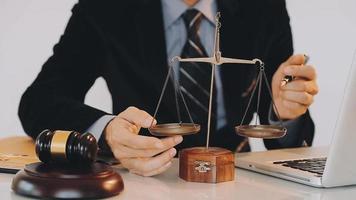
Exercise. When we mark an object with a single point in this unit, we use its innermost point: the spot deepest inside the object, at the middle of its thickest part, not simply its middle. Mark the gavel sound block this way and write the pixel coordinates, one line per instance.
(46, 180)
(212, 165)
(68, 169)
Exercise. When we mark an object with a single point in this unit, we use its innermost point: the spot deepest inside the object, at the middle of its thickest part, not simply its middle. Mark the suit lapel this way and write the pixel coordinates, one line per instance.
(152, 47)
(228, 6)
(234, 44)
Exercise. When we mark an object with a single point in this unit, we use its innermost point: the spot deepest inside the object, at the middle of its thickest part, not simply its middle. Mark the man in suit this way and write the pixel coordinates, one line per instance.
(129, 43)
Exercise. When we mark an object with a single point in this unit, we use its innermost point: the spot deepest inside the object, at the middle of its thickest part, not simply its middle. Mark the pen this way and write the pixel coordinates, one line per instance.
(288, 78)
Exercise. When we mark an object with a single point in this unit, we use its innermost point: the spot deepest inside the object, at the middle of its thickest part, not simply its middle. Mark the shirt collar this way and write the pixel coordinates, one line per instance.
(173, 9)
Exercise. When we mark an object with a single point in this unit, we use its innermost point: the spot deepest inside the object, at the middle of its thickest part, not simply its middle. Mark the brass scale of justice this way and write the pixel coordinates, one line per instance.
(180, 128)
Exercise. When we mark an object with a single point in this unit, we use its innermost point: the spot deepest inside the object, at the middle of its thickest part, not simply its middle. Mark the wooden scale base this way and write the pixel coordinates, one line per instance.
(206, 165)
(67, 182)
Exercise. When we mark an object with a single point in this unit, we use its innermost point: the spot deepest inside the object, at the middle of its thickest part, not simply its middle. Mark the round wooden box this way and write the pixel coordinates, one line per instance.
(212, 165)
(48, 181)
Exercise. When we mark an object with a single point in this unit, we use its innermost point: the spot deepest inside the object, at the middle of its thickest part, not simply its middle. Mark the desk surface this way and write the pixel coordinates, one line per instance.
(247, 185)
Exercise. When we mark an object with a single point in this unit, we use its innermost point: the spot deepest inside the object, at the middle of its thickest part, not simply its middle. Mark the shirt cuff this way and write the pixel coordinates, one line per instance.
(99, 125)
(293, 135)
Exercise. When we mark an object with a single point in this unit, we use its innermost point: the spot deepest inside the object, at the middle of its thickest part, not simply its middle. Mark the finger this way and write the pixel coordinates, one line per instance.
(126, 152)
(170, 142)
(137, 117)
(156, 171)
(303, 98)
(297, 59)
(295, 107)
(302, 86)
(125, 137)
(122, 123)
(303, 71)
(146, 165)
(123, 152)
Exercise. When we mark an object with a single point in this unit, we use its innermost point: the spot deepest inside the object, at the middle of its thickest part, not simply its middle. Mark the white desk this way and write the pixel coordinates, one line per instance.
(247, 185)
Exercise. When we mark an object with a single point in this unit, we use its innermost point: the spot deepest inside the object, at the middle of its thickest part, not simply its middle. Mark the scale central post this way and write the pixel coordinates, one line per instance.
(217, 56)
(204, 164)
(215, 61)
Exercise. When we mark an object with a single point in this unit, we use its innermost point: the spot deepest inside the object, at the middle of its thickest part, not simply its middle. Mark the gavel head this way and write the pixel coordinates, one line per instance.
(66, 146)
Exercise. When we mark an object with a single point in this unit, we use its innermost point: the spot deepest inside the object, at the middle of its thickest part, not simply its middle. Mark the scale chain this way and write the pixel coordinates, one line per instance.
(271, 95)
(162, 93)
(177, 90)
(250, 100)
(259, 82)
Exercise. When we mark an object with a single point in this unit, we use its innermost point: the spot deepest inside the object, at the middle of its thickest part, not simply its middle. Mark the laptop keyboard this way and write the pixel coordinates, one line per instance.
(313, 165)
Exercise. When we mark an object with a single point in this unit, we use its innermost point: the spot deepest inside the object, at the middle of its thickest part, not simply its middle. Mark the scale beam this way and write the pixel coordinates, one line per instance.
(222, 60)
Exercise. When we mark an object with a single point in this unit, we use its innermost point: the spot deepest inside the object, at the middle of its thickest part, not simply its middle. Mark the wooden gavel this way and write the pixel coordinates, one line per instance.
(66, 146)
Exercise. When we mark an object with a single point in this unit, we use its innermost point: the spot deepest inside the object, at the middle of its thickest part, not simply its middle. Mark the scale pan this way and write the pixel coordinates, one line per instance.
(172, 129)
(261, 131)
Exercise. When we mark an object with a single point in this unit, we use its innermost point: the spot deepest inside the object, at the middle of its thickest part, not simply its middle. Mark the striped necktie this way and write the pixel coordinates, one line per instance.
(195, 77)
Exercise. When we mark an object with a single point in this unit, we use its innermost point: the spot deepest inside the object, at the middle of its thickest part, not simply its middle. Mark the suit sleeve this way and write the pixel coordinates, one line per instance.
(279, 48)
(55, 100)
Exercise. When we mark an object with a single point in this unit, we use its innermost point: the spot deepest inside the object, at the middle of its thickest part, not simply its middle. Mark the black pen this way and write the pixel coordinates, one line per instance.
(288, 78)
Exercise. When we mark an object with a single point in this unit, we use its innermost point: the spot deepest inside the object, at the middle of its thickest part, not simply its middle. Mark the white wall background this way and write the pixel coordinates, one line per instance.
(324, 29)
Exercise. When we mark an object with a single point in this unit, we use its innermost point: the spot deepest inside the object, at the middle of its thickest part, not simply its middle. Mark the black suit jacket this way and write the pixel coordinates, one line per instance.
(124, 42)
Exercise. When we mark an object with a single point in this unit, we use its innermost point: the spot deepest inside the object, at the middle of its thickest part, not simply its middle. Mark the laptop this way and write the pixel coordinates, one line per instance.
(315, 166)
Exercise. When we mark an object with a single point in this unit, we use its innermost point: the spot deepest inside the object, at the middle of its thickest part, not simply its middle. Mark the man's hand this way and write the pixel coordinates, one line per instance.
(142, 155)
(293, 99)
